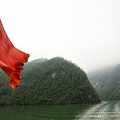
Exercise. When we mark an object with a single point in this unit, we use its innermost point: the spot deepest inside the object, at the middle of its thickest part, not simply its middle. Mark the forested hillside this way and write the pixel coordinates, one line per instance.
(107, 82)
(54, 81)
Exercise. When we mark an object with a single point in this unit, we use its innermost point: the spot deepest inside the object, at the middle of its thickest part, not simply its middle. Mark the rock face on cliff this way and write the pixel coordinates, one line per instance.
(107, 82)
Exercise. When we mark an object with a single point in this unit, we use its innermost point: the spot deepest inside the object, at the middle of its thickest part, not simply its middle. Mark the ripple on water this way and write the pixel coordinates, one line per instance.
(107, 110)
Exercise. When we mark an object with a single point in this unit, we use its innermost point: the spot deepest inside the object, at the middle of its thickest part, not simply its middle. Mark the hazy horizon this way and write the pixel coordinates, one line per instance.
(86, 32)
(90, 71)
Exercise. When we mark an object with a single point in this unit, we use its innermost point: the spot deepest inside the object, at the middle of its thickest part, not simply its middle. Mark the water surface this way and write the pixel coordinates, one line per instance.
(108, 110)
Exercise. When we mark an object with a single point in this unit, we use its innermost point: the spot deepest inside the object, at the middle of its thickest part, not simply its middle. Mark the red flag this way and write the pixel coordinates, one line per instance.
(11, 59)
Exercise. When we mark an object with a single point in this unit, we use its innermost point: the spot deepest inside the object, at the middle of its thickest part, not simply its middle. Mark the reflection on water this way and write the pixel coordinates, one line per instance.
(43, 112)
(109, 110)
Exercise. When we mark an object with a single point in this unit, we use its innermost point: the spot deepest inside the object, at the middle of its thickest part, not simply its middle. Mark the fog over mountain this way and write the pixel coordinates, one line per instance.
(85, 32)
(106, 82)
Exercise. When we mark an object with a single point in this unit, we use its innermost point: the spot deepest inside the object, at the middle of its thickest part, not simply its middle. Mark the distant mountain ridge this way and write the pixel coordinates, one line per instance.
(54, 81)
(107, 82)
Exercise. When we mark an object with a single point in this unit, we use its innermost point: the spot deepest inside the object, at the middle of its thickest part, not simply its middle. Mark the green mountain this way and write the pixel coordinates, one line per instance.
(54, 81)
(107, 82)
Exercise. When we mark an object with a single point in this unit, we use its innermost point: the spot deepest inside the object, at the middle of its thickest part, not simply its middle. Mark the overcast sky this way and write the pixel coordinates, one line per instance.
(86, 32)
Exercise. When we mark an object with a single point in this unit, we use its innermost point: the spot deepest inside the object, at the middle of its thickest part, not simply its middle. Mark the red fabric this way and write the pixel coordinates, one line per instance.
(11, 59)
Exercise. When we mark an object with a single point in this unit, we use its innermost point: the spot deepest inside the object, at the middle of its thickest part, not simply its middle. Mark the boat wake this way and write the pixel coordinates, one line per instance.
(105, 110)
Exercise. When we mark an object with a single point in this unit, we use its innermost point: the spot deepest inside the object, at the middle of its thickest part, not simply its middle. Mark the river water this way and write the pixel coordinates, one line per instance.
(106, 110)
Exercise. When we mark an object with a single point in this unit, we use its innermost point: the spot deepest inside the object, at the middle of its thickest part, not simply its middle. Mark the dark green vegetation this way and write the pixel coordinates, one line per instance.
(54, 81)
(107, 83)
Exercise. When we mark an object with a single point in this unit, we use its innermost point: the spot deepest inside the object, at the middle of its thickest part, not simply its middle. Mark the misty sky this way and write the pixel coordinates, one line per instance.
(86, 32)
